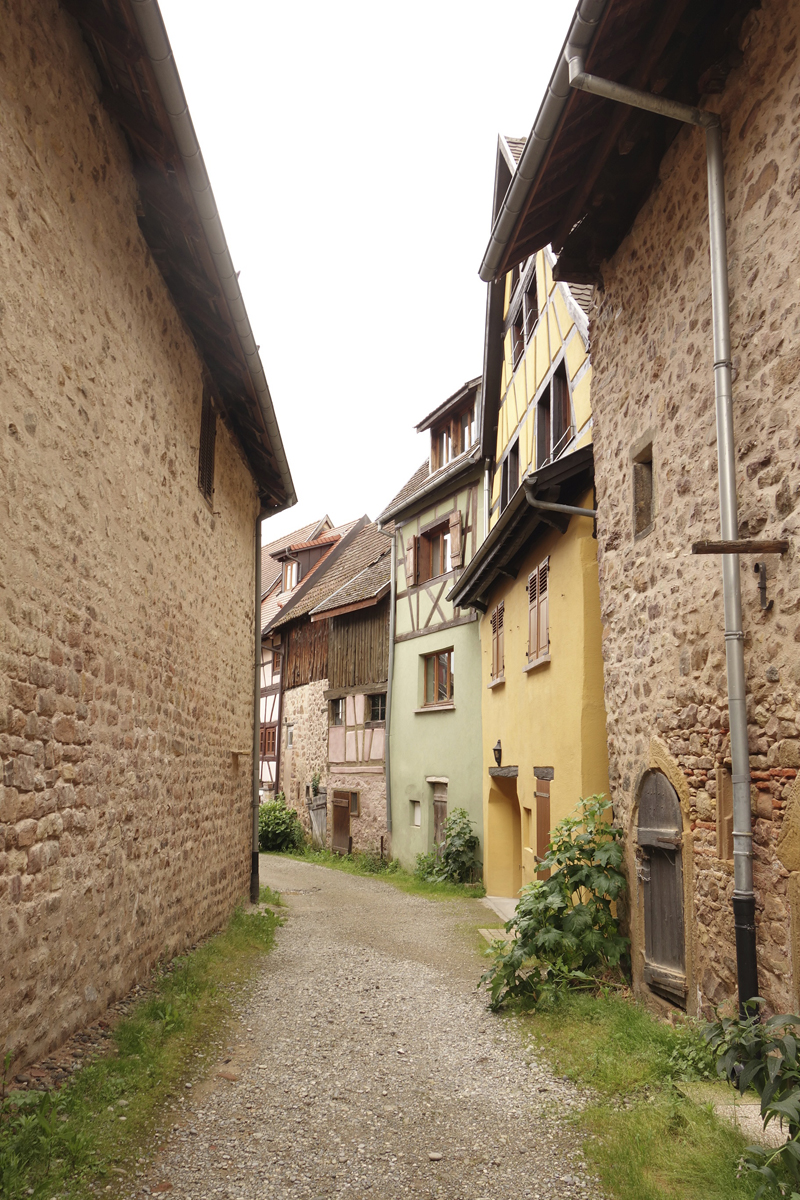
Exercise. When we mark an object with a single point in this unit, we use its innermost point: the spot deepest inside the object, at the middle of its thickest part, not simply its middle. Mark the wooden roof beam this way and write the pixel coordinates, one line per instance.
(670, 17)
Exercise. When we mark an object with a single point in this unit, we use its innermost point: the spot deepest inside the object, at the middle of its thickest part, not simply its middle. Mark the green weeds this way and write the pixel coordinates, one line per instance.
(360, 863)
(66, 1143)
(647, 1141)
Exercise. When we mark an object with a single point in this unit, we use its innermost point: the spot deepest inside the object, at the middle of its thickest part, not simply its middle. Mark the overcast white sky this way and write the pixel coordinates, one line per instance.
(351, 149)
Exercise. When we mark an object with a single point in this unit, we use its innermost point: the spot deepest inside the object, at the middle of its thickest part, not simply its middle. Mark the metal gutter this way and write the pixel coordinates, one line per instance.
(254, 865)
(579, 39)
(156, 44)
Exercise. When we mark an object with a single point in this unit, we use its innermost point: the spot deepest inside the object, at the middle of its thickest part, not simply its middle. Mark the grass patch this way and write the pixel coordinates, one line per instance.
(92, 1131)
(391, 872)
(648, 1141)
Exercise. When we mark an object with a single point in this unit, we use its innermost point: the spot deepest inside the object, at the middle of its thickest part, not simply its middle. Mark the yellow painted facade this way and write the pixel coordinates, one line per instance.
(556, 338)
(550, 716)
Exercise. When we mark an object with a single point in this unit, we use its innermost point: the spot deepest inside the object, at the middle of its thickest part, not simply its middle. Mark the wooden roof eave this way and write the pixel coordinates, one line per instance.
(132, 97)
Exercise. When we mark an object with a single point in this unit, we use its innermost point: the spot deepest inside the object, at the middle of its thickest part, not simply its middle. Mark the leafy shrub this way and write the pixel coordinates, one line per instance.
(279, 826)
(691, 1058)
(455, 861)
(763, 1055)
(564, 925)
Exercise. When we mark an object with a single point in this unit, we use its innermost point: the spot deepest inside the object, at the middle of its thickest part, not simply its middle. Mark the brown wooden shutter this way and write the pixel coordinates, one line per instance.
(542, 821)
(455, 539)
(543, 623)
(500, 638)
(533, 612)
(411, 561)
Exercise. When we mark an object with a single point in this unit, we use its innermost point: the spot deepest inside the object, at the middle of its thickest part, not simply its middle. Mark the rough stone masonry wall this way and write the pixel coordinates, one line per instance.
(125, 605)
(306, 710)
(662, 607)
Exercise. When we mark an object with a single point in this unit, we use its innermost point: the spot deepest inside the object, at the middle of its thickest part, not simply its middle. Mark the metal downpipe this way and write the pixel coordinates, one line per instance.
(254, 879)
(743, 895)
(388, 746)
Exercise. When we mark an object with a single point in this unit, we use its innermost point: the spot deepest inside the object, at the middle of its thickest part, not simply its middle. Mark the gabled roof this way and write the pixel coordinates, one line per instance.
(340, 563)
(452, 402)
(424, 481)
(141, 91)
(507, 542)
(271, 570)
(277, 603)
(590, 163)
(365, 588)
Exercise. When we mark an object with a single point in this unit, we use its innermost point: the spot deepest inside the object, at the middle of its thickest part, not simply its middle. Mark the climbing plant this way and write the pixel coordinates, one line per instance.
(564, 928)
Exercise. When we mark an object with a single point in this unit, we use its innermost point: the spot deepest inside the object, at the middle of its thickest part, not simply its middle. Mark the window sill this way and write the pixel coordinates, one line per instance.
(431, 708)
(496, 682)
(537, 662)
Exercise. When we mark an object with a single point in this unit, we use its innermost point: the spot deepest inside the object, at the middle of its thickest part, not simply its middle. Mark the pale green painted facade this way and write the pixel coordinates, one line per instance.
(433, 745)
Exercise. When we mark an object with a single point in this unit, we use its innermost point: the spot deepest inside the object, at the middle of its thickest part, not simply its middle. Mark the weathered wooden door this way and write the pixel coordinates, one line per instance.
(439, 814)
(340, 837)
(661, 872)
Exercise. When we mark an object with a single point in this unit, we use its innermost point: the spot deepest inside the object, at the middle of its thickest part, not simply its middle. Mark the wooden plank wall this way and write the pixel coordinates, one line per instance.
(359, 647)
(306, 653)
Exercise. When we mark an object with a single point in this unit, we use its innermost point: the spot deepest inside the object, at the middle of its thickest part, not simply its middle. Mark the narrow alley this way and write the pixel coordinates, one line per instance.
(367, 1063)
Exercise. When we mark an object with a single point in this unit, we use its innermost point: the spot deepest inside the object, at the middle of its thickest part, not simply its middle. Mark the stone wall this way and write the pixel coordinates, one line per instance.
(306, 710)
(126, 619)
(369, 827)
(662, 607)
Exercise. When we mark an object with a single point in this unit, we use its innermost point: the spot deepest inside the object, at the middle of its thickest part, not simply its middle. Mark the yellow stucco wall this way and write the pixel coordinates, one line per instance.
(550, 716)
(556, 337)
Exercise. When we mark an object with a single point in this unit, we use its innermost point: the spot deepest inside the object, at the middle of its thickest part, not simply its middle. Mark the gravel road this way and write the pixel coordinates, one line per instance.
(366, 1064)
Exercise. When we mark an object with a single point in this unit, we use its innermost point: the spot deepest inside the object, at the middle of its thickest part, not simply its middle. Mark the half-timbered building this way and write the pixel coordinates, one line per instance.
(534, 578)
(435, 719)
(694, 398)
(333, 642)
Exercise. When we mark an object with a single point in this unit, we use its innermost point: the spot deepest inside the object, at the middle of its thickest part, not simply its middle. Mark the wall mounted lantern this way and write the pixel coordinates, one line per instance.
(498, 753)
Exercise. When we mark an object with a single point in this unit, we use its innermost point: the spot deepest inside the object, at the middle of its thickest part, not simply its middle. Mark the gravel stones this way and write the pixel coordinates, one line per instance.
(368, 1064)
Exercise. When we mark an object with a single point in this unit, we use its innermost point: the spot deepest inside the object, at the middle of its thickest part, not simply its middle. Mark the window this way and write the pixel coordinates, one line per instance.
(554, 428)
(509, 480)
(454, 437)
(498, 641)
(438, 670)
(416, 813)
(377, 707)
(337, 711)
(290, 735)
(433, 554)
(538, 616)
(530, 308)
(290, 571)
(269, 740)
(517, 337)
(208, 434)
(643, 492)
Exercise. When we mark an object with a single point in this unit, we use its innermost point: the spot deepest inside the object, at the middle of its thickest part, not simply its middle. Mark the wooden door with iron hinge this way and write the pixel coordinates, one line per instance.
(340, 836)
(660, 841)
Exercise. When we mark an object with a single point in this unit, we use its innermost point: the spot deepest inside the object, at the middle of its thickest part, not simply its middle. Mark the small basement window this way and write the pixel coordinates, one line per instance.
(416, 813)
(643, 492)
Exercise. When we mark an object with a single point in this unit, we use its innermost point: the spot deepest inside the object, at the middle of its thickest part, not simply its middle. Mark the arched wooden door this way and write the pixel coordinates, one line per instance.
(660, 841)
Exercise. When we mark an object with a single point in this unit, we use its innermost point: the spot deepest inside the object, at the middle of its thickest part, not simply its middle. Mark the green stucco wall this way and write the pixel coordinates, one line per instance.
(441, 744)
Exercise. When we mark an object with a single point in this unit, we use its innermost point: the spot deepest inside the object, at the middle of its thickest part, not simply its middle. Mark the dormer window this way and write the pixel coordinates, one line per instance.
(453, 437)
(290, 573)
